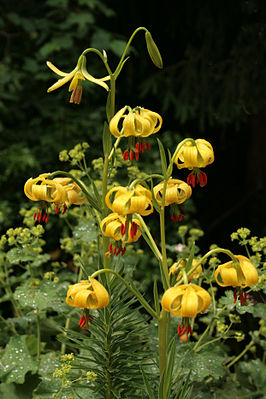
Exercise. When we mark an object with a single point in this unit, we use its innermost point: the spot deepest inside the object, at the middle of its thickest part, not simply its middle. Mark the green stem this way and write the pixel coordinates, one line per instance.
(38, 335)
(162, 334)
(201, 338)
(215, 339)
(202, 259)
(154, 175)
(133, 290)
(63, 345)
(240, 354)
(127, 46)
(152, 242)
(117, 141)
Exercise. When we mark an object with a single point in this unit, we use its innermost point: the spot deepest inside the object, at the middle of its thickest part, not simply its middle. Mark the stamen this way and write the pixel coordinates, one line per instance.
(125, 155)
(131, 155)
(148, 146)
(123, 251)
(34, 216)
(64, 210)
(110, 248)
(137, 155)
(138, 147)
(114, 251)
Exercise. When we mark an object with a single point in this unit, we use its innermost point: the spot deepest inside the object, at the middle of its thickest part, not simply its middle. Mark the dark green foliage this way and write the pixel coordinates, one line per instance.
(115, 348)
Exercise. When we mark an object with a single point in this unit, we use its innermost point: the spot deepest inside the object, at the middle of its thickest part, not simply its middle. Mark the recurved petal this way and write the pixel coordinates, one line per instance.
(113, 125)
(171, 300)
(190, 303)
(249, 271)
(100, 292)
(225, 275)
(62, 81)
(55, 69)
(100, 82)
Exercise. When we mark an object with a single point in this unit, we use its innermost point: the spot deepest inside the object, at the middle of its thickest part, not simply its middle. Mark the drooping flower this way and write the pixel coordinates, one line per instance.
(125, 201)
(177, 191)
(88, 294)
(76, 76)
(186, 300)
(135, 123)
(194, 155)
(47, 191)
(237, 274)
(176, 269)
(119, 229)
(197, 154)
(72, 192)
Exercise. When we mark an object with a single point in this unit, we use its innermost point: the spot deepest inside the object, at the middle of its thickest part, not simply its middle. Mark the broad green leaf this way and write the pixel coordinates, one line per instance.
(17, 255)
(147, 385)
(16, 361)
(40, 296)
(85, 231)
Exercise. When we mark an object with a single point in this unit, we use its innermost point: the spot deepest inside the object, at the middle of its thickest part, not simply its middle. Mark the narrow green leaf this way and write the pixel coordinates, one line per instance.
(156, 297)
(108, 107)
(190, 258)
(120, 67)
(163, 157)
(161, 386)
(155, 204)
(147, 385)
(171, 362)
(96, 192)
(170, 166)
(107, 140)
(153, 51)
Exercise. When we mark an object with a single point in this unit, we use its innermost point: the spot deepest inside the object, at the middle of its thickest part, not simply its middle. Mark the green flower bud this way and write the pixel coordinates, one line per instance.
(153, 51)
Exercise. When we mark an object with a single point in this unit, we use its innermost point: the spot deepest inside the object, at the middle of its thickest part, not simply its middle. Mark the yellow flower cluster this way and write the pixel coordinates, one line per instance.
(61, 191)
(197, 154)
(242, 274)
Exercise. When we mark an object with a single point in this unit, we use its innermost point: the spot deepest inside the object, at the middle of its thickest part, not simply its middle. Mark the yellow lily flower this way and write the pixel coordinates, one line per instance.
(72, 191)
(244, 274)
(125, 201)
(78, 74)
(177, 191)
(186, 300)
(87, 294)
(43, 189)
(117, 227)
(138, 122)
(195, 155)
(177, 268)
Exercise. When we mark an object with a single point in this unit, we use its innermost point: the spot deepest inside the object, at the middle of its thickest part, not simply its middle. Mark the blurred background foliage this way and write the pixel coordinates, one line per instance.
(212, 86)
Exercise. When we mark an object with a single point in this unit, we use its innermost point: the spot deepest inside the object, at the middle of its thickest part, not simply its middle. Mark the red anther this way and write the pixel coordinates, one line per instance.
(34, 216)
(123, 251)
(43, 217)
(148, 146)
(200, 179)
(204, 179)
(181, 217)
(39, 217)
(131, 155)
(125, 155)
(82, 321)
(110, 248)
(137, 147)
(179, 328)
(190, 330)
(142, 147)
(173, 218)
(235, 297)
(47, 218)
(90, 318)
(132, 231)
(137, 155)
(119, 250)
(114, 251)
(64, 210)
(57, 209)
(122, 229)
